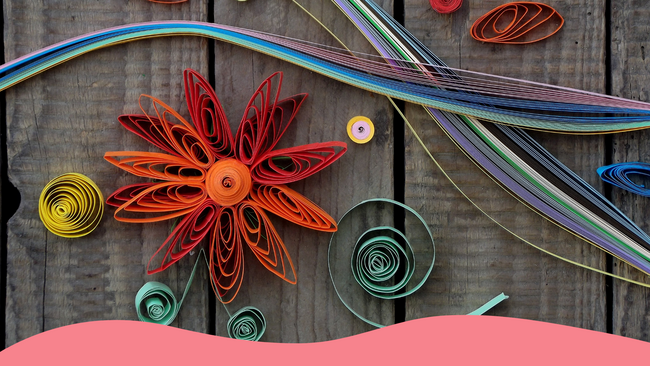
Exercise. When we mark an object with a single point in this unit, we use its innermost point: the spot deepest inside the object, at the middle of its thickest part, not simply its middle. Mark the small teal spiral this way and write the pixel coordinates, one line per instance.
(247, 324)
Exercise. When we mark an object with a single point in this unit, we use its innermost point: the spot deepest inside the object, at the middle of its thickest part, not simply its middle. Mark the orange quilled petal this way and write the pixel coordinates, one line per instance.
(226, 255)
(186, 235)
(260, 235)
(173, 198)
(126, 193)
(207, 114)
(179, 133)
(292, 206)
(296, 163)
(156, 166)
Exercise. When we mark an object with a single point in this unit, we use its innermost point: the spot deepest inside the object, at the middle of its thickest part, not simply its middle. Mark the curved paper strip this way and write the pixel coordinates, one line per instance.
(126, 193)
(183, 138)
(208, 115)
(248, 324)
(175, 198)
(71, 205)
(186, 236)
(260, 235)
(380, 251)
(292, 206)
(226, 255)
(371, 264)
(445, 6)
(296, 163)
(541, 107)
(511, 157)
(150, 129)
(619, 175)
(145, 164)
(525, 17)
(155, 302)
(265, 120)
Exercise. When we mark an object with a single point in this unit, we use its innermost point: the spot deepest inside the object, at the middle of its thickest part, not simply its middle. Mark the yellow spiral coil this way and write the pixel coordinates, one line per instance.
(71, 205)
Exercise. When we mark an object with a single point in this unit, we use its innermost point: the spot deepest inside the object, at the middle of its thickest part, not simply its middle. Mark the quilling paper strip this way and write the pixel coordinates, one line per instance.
(553, 191)
(155, 303)
(430, 83)
(526, 20)
(512, 158)
(377, 251)
(619, 176)
(221, 184)
(71, 205)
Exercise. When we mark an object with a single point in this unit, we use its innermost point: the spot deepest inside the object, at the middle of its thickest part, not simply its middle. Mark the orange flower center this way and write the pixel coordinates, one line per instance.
(228, 182)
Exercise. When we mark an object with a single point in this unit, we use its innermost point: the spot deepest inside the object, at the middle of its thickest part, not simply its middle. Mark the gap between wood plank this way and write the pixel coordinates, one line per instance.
(212, 79)
(399, 173)
(609, 155)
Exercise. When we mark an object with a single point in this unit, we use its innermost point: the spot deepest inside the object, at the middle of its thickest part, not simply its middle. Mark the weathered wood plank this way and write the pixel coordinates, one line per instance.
(630, 76)
(64, 121)
(309, 311)
(475, 259)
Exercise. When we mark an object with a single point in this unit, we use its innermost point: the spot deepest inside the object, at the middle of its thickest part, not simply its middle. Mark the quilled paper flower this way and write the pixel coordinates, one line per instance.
(220, 185)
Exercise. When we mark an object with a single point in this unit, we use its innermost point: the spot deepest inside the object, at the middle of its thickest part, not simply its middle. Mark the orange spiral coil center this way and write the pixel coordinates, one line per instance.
(228, 182)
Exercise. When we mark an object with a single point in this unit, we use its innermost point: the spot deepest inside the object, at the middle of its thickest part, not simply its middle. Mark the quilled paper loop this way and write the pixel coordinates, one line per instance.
(523, 19)
(71, 205)
(377, 255)
(619, 175)
(445, 6)
(360, 129)
(155, 303)
(247, 324)
(376, 260)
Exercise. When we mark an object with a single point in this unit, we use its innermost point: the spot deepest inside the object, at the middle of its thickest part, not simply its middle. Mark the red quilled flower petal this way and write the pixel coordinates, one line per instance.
(175, 199)
(179, 133)
(207, 114)
(156, 166)
(186, 235)
(265, 120)
(226, 255)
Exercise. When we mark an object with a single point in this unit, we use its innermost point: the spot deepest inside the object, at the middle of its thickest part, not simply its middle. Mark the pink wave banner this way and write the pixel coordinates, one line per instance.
(443, 340)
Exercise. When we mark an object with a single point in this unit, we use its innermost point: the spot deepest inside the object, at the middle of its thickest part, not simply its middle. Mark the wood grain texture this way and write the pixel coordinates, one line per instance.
(310, 310)
(475, 259)
(630, 76)
(63, 121)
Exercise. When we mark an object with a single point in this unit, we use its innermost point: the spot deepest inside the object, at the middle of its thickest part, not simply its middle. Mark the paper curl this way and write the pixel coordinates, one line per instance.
(71, 205)
(524, 22)
(619, 175)
(445, 6)
(379, 252)
(360, 129)
(247, 324)
(155, 303)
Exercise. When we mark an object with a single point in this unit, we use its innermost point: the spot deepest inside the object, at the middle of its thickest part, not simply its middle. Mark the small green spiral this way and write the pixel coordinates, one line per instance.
(247, 324)
(155, 303)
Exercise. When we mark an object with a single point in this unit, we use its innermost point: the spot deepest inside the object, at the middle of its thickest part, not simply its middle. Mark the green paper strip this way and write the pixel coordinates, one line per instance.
(155, 303)
(378, 253)
(489, 305)
(247, 324)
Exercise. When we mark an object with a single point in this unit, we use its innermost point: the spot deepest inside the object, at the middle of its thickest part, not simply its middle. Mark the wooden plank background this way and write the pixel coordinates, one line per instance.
(65, 119)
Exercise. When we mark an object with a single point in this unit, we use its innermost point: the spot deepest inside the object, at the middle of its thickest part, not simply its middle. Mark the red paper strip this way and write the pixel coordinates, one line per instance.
(517, 23)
